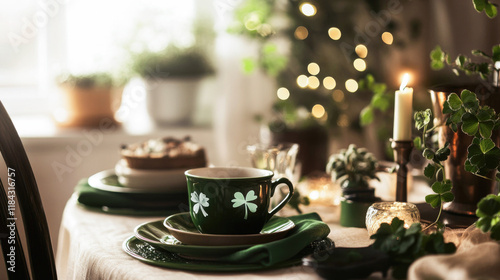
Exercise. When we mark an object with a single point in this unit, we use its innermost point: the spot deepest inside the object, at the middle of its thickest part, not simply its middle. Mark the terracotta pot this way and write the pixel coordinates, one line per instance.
(87, 107)
(467, 187)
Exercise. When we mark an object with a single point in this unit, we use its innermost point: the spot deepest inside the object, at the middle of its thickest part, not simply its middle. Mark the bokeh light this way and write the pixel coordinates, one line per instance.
(338, 95)
(318, 111)
(313, 82)
(361, 50)
(334, 33)
(301, 33)
(308, 9)
(387, 38)
(359, 64)
(313, 68)
(329, 83)
(351, 85)
(283, 93)
(343, 120)
(302, 81)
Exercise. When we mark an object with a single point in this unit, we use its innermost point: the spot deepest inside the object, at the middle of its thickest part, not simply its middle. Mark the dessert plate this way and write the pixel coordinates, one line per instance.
(146, 253)
(156, 235)
(107, 180)
(148, 179)
(182, 228)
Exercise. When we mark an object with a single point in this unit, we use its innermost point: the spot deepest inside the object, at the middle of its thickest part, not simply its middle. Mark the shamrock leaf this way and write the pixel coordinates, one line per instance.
(469, 99)
(422, 118)
(240, 200)
(200, 202)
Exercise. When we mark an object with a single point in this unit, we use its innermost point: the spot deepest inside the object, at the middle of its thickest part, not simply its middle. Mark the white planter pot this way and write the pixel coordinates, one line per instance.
(171, 101)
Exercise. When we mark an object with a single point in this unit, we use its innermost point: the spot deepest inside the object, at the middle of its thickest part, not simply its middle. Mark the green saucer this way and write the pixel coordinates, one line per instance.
(182, 228)
(146, 253)
(156, 235)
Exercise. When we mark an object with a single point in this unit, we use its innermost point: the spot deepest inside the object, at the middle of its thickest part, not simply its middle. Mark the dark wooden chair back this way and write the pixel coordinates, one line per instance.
(21, 191)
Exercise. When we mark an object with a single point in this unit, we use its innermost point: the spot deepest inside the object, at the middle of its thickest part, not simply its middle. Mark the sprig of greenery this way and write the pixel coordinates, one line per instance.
(464, 63)
(381, 99)
(435, 168)
(404, 246)
(488, 211)
(484, 5)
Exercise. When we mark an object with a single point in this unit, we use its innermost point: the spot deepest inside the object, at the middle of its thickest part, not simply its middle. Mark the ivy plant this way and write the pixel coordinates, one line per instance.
(404, 246)
(435, 168)
(463, 63)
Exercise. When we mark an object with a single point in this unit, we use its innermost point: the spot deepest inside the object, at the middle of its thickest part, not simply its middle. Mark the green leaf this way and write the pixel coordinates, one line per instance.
(486, 145)
(249, 65)
(486, 128)
(443, 153)
(496, 53)
(488, 206)
(495, 231)
(484, 224)
(480, 53)
(430, 171)
(441, 187)
(417, 142)
(491, 10)
(422, 118)
(437, 58)
(454, 102)
(479, 5)
(446, 108)
(469, 99)
(366, 116)
(460, 61)
(434, 200)
(470, 124)
(447, 197)
(428, 153)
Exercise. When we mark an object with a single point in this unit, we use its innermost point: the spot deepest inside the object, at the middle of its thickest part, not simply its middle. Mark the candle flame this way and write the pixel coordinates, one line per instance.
(406, 79)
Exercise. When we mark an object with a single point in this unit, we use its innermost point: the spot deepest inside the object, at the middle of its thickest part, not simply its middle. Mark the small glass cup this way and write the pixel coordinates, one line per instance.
(279, 158)
(384, 212)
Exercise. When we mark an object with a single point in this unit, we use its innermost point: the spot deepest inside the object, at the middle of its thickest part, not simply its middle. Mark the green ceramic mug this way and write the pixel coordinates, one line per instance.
(232, 200)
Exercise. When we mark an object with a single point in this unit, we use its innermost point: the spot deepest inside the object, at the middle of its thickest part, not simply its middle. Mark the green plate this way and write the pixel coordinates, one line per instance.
(182, 228)
(146, 253)
(129, 211)
(156, 235)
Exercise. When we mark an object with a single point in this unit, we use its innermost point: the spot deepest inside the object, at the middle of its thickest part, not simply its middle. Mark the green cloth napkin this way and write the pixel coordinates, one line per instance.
(308, 228)
(89, 196)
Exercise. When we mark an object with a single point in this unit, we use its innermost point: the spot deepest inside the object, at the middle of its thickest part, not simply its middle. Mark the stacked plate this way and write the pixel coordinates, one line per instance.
(176, 243)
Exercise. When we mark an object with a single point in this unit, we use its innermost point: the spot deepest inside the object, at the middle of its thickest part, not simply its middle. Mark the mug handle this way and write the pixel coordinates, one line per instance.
(287, 198)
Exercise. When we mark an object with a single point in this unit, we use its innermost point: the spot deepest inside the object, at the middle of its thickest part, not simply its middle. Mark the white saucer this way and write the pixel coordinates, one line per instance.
(149, 179)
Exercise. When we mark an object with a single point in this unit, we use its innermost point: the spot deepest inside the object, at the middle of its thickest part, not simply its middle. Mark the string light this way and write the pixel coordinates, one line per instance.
(334, 33)
(313, 82)
(329, 83)
(301, 33)
(387, 38)
(283, 93)
(308, 9)
(351, 85)
(318, 111)
(361, 50)
(359, 64)
(313, 68)
(302, 81)
(338, 95)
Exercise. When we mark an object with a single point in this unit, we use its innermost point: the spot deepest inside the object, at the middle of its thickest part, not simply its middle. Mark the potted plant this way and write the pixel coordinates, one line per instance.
(87, 99)
(172, 77)
(468, 188)
(353, 168)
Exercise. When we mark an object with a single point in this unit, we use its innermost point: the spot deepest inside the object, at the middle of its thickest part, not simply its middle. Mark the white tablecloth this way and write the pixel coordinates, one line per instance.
(90, 247)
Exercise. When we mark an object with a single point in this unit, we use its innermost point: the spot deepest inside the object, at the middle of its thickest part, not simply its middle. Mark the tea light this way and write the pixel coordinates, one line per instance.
(384, 212)
(321, 190)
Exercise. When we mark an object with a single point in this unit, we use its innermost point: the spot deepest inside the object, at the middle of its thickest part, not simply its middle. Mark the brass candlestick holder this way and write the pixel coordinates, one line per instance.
(402, 151)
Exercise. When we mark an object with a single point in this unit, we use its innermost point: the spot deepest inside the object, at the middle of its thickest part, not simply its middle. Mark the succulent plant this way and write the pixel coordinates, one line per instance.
(353, 167)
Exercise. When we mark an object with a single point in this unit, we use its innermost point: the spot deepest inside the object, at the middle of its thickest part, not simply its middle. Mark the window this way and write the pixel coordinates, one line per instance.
(41, 39)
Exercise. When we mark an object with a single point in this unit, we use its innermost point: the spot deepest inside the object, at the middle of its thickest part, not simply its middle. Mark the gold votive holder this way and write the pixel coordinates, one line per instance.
(384, 212)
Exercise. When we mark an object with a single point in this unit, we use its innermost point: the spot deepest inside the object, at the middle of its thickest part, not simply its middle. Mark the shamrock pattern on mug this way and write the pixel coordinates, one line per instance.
(200, 202)
(239, 200)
